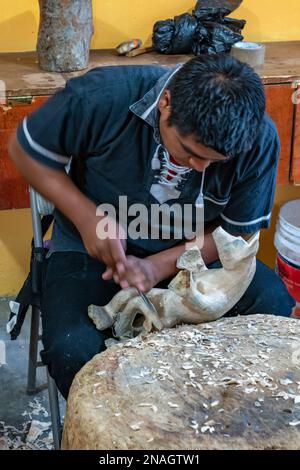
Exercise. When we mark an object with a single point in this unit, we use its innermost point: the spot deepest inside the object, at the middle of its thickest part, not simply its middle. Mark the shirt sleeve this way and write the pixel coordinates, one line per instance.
(56, 131)
(252, 197)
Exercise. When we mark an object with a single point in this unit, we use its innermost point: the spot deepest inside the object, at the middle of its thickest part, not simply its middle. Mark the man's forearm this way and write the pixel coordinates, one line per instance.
(165, 261)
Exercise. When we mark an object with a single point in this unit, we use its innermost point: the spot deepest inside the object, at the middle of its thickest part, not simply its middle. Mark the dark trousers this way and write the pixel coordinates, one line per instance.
(72, 281)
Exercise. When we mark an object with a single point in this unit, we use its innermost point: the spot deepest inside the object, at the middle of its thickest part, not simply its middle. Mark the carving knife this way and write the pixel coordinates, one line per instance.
(155, 316)
(147, 301)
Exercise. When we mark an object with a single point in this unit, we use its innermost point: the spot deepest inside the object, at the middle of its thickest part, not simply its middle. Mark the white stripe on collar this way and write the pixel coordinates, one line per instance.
(153, 105)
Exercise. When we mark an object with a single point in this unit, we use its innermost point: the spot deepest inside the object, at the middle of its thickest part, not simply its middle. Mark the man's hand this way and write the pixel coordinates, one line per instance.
(134, 272)
(57, 187)
(110, 249)
(146, 273)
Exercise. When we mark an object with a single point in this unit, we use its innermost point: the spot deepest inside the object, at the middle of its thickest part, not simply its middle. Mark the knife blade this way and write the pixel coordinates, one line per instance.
(147, 301)
(155, 319)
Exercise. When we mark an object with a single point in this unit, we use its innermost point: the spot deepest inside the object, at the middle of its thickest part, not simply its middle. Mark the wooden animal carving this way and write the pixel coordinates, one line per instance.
(196, 294)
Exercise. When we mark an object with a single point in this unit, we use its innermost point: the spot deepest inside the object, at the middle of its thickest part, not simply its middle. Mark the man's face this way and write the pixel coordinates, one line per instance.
(185, 150)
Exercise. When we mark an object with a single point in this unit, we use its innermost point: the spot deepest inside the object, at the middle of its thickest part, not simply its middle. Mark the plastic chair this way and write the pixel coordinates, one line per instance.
(39, 207)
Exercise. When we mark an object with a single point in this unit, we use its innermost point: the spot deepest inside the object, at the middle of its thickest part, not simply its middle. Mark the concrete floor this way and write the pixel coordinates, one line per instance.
(24, 420)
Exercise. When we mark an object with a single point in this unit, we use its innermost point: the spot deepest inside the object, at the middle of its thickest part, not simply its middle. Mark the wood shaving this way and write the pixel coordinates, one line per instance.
(135, 426)
(149, 405)
(285, 381)
(214, 403)
(187, 366)
(173, 405)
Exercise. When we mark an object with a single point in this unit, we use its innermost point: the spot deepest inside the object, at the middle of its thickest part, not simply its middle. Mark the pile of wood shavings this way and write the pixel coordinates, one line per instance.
(251, 373)
(34, 433)
(233, 383)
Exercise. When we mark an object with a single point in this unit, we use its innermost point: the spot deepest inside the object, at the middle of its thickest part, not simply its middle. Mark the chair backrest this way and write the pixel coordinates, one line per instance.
(39, 207)
(44, 207)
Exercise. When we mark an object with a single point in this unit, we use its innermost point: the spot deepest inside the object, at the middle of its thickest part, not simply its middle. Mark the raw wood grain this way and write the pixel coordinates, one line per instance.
(230, 384)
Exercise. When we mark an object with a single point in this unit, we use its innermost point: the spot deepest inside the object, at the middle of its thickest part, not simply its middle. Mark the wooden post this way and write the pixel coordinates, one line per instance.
(65, 32)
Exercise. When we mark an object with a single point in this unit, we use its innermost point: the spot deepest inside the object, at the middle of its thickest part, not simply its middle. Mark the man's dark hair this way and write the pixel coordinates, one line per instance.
(219, 100)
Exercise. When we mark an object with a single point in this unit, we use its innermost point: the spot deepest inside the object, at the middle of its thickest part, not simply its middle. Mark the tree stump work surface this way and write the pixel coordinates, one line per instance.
(230, 384)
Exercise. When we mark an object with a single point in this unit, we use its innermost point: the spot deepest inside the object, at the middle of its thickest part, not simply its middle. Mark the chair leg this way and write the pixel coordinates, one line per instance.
(33, 350)
(54, 410)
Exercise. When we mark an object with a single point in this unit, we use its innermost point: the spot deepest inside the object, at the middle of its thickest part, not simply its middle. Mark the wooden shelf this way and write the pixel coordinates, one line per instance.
(27, 87)
(22, 75)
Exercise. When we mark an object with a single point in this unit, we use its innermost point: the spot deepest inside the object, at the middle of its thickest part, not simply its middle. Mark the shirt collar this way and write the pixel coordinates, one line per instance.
(146, 107)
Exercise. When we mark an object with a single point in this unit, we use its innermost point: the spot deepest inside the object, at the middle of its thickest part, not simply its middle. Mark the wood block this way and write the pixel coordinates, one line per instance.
(229, 384)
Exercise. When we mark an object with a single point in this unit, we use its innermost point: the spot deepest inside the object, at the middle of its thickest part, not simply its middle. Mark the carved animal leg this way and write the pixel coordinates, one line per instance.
(135, 318)
(104, 317)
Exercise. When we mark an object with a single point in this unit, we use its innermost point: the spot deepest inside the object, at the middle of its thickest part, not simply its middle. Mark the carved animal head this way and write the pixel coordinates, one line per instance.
(195, 295)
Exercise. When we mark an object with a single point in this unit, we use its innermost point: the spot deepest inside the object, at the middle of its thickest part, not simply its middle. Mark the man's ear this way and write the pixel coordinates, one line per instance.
(164, 104)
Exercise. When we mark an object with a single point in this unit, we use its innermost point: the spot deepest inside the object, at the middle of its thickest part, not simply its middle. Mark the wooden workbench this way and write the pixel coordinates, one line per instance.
(27, 87)
(22, 75)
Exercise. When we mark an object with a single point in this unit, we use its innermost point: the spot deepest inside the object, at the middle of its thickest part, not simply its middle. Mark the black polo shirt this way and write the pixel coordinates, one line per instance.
(105, 121)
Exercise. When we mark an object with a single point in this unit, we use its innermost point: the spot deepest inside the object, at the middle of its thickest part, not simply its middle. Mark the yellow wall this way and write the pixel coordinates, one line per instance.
(117, 20)
(15, 236)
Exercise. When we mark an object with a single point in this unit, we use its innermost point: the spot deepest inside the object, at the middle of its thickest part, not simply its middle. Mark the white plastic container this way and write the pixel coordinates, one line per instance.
(287, 243)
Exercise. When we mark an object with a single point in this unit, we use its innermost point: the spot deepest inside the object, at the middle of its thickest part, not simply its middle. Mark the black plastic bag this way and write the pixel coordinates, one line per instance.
(221, 33)
(234, 24)
(206, 31)
(225, 7)
(211, 14)
(185, 27)
(163, 32)
(175, 36)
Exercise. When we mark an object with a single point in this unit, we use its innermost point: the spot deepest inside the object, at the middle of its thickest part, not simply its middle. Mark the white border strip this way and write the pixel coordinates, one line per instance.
(243, 224)
(38, 148)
